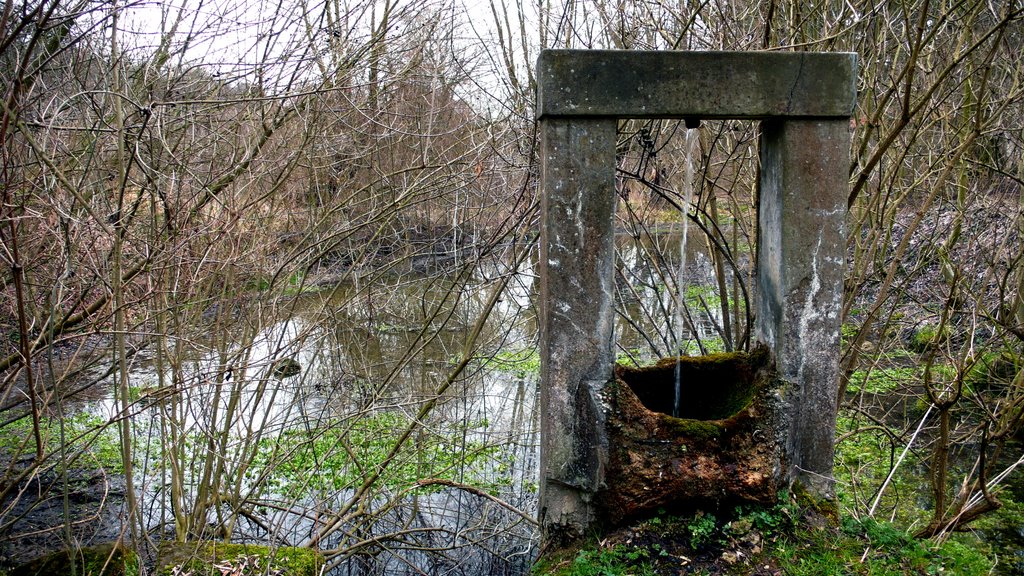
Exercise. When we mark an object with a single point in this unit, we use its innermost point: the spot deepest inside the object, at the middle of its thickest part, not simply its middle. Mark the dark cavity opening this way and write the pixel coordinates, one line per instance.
(713, 387)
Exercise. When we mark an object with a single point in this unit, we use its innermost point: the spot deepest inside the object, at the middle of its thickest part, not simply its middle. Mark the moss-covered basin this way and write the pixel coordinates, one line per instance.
(712, 387)
(721, 447)
(218, 558)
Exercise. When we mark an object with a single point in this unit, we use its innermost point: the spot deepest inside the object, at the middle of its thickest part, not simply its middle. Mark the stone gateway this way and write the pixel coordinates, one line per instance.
(775, 424)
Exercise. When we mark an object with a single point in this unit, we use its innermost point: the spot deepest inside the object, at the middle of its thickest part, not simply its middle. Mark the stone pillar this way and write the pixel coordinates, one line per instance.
(800, 270)
(576, 317)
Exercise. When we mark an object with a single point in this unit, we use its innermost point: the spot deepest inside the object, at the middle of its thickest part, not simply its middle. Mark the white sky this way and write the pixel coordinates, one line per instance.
(235, 38)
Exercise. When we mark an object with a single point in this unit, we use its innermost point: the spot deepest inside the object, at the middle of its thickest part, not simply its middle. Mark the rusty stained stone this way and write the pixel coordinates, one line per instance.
(659, 461)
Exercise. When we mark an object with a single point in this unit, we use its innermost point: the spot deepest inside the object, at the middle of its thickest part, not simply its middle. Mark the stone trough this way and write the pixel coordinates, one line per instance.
(717, 449)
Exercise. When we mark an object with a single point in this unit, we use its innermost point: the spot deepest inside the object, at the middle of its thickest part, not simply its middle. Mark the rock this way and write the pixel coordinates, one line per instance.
(285, 368)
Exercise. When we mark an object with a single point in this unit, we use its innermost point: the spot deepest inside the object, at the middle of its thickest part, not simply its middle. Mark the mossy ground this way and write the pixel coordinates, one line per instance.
(215, 559)
(761, 541)
(101, 560)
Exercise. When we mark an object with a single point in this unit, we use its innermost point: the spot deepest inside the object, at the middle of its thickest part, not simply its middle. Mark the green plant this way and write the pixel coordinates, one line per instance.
(614, 561)
(522, 363)
(89, 439)
(778, 519)
(928, 336)
(883, 380)
(873, 548)
(284, 461)
(702, 528)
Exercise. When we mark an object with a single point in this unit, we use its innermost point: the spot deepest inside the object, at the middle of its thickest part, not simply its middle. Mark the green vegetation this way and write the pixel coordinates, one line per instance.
(713, 345)
(609, 561)
(928, 337)
(847, 331)
(522, 363)
(217, 559)
(863, 460)
(702, 529)
(90, 440)
(883, 380)
(873, 548)
(293, 286)
(755, 538)
(342, 452)
(699, 431)
(633, 358)
(101, 560)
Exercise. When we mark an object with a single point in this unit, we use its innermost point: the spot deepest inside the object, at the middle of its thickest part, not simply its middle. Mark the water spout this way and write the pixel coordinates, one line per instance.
(692, 137)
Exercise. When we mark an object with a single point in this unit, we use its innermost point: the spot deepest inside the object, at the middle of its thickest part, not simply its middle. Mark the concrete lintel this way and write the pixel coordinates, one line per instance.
(663, 84)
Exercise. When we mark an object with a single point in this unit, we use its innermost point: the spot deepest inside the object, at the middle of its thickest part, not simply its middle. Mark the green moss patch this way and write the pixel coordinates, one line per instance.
(218, 558)
(102, 560)
(928, 337)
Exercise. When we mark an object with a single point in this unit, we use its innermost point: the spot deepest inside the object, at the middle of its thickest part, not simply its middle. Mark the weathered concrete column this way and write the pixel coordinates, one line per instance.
(576, 316)
(800, 270)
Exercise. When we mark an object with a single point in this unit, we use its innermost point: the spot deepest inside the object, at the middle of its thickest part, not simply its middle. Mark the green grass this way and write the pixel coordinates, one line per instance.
(887, 380)
(874, 548)
(862, 463)
(883, 380)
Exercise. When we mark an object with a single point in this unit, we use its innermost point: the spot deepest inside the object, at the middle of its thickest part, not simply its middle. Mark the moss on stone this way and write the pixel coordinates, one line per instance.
(211, 558)
(928, 337)
(110, 559)
(697, 430)
(825, 508)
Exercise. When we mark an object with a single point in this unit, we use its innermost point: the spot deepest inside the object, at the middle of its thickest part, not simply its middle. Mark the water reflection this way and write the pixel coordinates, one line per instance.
(652, 293)
(368, 357)
(283, 456)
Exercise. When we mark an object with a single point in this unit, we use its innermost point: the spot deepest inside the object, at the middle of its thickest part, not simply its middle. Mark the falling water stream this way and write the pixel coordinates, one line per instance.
(692, 137)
